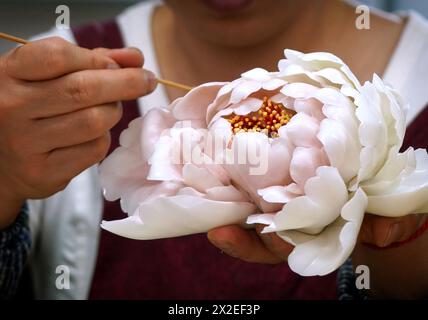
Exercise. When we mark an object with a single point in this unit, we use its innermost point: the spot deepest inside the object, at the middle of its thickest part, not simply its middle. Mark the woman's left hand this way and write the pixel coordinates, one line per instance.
(254, 246)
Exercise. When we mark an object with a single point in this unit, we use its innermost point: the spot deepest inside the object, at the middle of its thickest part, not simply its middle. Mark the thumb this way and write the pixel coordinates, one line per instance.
(125, 57)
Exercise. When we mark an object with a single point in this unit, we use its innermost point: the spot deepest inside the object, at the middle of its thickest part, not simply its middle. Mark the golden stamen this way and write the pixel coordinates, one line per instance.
(268, 119)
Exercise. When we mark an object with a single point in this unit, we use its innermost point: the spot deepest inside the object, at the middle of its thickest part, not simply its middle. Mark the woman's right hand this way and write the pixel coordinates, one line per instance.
(57, 104)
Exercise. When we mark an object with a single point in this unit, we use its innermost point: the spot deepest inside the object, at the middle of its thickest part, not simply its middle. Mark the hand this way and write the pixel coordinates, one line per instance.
(253, 246)
(382, 231)
(57, 104)
(250, 245)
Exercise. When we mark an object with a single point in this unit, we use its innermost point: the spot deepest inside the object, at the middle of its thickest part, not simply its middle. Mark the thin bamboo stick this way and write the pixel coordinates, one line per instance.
(162, 81)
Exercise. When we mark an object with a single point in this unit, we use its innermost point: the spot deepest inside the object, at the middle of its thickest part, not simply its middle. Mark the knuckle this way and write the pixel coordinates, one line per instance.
(130, 79)
(56, 53)
(97, 61)
(93, 121)
(98, 120)
(78, 89)
(100, 61)
(136, 82)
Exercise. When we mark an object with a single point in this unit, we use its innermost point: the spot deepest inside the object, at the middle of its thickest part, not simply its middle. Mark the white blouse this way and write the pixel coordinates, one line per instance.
(66, 226)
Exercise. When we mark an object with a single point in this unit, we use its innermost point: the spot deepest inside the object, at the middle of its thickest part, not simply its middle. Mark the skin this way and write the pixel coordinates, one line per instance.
(58, 103)
(214, 47)
(202, 41)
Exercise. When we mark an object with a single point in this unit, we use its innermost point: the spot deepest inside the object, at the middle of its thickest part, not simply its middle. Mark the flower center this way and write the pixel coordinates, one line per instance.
(268, 119)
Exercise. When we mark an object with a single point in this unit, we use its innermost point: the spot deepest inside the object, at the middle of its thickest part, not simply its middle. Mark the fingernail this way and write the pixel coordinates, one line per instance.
(224, 247)
(151, 79)
(394, 235)
(136, 49)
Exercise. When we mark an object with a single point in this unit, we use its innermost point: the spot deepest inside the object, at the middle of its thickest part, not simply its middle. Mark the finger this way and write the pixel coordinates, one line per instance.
(383, 231)
(90, 87)
(70, 161)
(243, 244)
(51, 58)
(274, 244)
(76, 127)
(125, 57)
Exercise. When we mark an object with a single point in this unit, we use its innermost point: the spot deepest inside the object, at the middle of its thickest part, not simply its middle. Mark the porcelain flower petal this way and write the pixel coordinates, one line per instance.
(306, 150)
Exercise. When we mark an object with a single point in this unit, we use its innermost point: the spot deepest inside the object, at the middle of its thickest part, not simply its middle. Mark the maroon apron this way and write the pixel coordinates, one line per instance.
(190, 267)
(417, 132)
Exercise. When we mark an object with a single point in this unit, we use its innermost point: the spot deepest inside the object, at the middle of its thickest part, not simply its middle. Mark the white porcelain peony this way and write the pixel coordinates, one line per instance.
(306, 150)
